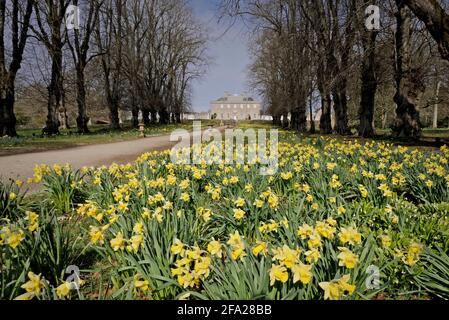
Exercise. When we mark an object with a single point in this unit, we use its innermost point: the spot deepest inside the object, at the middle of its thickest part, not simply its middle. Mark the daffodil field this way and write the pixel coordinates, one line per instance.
(340, 219)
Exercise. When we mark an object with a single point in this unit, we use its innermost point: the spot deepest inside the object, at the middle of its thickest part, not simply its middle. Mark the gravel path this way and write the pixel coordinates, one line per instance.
(21, 166)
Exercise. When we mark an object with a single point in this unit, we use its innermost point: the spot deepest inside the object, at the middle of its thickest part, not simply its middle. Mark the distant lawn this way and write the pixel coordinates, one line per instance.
(31, 140)
(427, 132)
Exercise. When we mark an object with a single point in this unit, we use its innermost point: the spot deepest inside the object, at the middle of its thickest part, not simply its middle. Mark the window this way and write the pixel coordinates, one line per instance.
(229, 106)
(221, 106)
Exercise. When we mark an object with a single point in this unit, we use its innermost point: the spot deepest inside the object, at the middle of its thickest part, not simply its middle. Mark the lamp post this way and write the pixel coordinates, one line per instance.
(142, 129)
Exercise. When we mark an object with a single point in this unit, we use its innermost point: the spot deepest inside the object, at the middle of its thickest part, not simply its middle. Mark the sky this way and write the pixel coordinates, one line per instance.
(229, 57)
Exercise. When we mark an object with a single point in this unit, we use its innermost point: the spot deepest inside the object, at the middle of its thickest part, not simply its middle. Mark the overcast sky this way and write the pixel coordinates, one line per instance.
(230, 57)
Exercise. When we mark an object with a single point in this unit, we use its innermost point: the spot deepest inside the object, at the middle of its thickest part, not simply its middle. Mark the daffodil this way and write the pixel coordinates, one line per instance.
(314, 241)
(136, 242)
(63, 290)
(15, 238)
(96, 235)
(185, 197)
(239, 214)
(347, 258)
(336, 289)
(305, 231)
(138, 228)
(260, 248)
(278, 273)
(177, 247)
(33, 287)
(239, 203)
(301, 272)
(215, 248)
(140, 284)
(312, 255)
(386, 240)
(286, 256)
(118, 243)
(350, 235)
(238, 253)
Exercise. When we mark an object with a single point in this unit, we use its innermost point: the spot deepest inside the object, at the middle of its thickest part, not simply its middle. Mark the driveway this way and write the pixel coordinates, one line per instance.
(21, 166)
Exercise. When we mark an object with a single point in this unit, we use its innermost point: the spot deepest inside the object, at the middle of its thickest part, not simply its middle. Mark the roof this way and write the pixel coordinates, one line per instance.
(234, 98)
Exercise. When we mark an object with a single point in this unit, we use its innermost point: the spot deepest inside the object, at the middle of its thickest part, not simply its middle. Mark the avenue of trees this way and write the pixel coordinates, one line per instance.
(139, 56)
(321, 57)
(311, 57)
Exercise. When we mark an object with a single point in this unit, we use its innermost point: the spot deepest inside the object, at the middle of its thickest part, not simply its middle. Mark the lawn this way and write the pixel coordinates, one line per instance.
(340, 219)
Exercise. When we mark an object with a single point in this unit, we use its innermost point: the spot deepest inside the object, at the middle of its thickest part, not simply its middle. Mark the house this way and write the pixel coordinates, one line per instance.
(235, 107)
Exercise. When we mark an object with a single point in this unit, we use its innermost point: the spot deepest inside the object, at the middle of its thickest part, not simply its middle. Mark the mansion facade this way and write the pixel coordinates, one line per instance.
(235, 107)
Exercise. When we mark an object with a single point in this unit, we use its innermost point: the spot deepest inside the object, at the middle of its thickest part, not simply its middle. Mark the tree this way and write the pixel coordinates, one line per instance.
(80, 50)
(20, 22)
(109, 40)
(436, 20)
(369, 79)
(409, 84)
(50, 32)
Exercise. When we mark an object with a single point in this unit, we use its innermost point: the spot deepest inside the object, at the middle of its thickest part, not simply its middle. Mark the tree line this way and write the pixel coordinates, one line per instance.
(145, 55)
(332, 58)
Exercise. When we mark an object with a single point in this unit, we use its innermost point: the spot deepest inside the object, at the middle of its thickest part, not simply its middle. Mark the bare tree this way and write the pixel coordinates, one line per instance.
(80, 50)
(368, 77)
(408, 80)
(436, 20)
(50, 31)
(20, 22)
(109, 36)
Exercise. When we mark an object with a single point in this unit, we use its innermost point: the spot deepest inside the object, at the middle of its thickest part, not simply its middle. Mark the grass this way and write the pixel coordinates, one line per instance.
(31, 140)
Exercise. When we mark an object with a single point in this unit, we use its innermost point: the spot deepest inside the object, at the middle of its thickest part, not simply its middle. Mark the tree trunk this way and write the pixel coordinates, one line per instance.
(19, 29)
(164, 117)
(9, 116)
(312, 121)
(435, 109)
(384, 120)
(54, 92)
(113, 115)
(135, 117)
(82, 120)
(301, 118)
(369, 85)
(409, 85)
(341, 110)
(325, 120)
(146, 117)
(2, 117)
(295, 120)
(285, 121)
(153, 116)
